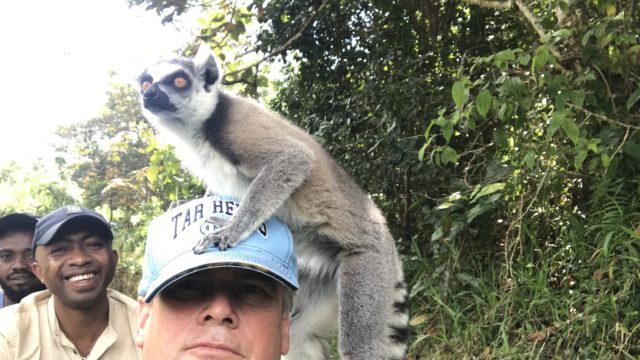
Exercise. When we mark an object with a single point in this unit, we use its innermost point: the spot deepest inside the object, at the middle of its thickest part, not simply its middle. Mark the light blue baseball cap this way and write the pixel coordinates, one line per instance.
(169, 256)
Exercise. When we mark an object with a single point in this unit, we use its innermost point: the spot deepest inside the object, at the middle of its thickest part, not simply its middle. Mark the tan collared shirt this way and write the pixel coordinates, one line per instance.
(30, 330)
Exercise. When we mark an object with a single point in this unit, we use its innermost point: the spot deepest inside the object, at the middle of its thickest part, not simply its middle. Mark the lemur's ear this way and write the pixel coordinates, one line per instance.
(206, 65)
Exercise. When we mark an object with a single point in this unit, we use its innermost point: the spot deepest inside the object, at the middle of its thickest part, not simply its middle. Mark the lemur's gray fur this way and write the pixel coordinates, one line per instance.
(349, 267)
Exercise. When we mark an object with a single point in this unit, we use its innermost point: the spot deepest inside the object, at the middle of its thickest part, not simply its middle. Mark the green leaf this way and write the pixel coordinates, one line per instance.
(445, 205)
(152, 173)
(578, 97)
(540, 59)
(489, 189)
(478, 210)
(504, 113)
(263, 81)
(457, 92)
(580, 157)
(524, 59)
(562, 34)
(632, 149)
(593, 145)
(447, 130)
(557, 119)
(530, 159)
(505, 55)
(501, 139)
(604, 158)
(468, 280)
(437, 234)
(586, 37)
(571, 129)
(421, 152)
(483, 103)
(449, 156)
(633, 99)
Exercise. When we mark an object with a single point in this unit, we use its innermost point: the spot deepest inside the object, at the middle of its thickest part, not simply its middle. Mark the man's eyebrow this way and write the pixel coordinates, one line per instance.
(87, 235)
(255, 276)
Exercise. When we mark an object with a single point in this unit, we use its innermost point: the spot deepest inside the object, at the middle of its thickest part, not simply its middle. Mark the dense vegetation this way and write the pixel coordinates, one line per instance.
(500, 138)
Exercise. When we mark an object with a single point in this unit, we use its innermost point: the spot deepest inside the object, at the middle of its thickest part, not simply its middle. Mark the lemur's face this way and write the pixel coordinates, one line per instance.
(179, 91)
(165, 87)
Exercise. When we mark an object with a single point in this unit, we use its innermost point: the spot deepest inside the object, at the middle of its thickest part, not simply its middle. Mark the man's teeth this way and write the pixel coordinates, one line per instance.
(82, 277)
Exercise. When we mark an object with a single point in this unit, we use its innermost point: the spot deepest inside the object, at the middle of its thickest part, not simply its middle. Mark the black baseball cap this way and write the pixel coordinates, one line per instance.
(48, 227)
(17, 221)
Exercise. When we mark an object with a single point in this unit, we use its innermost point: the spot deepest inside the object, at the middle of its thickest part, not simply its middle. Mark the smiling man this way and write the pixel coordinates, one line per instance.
(77, 317)
(231, 304)
(16, 256)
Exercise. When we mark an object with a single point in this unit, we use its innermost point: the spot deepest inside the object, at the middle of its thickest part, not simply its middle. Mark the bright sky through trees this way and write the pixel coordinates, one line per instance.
(57, 57)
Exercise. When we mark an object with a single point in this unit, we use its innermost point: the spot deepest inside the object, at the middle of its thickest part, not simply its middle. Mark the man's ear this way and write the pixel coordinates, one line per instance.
(144, 310)
(115, 257)
(36, 270)
(286, 324)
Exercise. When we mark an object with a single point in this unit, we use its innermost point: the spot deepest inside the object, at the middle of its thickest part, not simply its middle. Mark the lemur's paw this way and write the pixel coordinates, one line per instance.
(222, 237)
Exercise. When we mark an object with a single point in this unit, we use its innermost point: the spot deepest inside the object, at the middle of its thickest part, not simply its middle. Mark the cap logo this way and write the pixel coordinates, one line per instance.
(207, 228)
(185, 216)
(73, 209)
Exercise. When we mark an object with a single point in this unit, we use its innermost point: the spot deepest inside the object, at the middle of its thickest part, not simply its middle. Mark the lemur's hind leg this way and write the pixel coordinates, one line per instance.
(314, 317)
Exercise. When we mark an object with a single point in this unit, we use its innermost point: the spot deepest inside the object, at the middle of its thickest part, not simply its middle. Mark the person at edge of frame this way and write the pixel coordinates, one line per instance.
(77, 317)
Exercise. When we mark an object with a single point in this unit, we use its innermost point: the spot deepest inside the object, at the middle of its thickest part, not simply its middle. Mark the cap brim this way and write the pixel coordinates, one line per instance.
(188, 263)
(53, 231)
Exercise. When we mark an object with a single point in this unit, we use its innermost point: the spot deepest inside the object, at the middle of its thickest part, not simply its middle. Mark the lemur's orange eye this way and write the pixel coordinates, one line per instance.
(145, 86)
(180, 82)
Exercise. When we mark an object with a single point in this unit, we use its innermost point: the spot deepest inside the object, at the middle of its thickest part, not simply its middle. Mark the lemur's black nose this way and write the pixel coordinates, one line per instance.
(151, 93)
(157, 100)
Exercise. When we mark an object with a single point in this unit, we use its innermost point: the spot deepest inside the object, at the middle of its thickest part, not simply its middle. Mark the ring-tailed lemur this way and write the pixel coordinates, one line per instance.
(349, 267)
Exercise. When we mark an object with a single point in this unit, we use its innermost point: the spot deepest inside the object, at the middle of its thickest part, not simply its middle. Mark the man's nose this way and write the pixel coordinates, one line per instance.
(78, 256)
(23, 261)
(219, 309)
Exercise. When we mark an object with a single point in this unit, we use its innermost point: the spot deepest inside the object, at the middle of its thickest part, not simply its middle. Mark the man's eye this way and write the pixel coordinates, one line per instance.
(6, 257)
(95, 245)
(187, 290)
(252, 289)
(29, 256)
(254, 294)
(57, 250)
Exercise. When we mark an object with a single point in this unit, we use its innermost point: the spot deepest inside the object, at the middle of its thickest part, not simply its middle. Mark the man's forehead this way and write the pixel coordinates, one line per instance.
(16, 233)
(9, 238)
(79, 234)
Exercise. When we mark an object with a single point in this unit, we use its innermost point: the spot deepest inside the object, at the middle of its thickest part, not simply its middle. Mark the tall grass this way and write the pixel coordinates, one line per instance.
(572, 297)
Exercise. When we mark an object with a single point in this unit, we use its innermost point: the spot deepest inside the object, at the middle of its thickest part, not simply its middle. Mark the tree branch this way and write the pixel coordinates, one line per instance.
(528, 15)
(541, 33)
(287, 43)
(604, 118)
(498, 5)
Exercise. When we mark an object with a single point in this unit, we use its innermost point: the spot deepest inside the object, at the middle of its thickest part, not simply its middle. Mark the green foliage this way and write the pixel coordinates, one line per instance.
(518, 130)
(228, 26)
(32, 189)
(165, 174)
(502, 145)
(553, 125)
